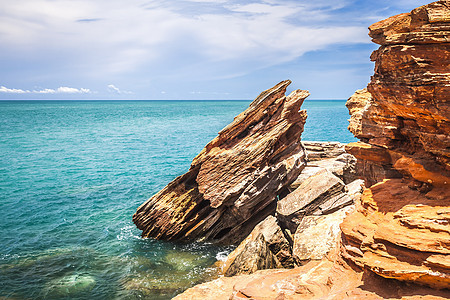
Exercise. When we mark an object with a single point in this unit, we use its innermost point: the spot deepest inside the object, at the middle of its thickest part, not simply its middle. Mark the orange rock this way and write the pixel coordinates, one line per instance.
(233, 182)
(401, 233)
(329, 278)
(401, 229)
(406, 107)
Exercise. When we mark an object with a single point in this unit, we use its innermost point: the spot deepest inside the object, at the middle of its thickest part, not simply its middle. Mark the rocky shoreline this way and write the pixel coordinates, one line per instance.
(368, 220)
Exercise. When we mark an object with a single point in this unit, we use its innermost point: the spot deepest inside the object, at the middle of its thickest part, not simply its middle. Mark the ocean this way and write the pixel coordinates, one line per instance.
(72, 173)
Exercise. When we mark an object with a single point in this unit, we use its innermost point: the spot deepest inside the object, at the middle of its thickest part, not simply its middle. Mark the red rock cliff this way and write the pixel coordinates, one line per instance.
(401, 227)
(405, 113)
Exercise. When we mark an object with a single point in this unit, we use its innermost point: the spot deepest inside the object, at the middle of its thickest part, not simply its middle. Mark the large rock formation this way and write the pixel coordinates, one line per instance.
(399, 233)
(306, 225)
(396, 243)
(406, 108)
(401, 227)
(234, 182)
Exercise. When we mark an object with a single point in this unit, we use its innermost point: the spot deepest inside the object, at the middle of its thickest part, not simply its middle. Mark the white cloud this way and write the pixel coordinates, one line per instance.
(149, 45)
(113, 89)
(12, 91)
(170, 35)
(60, 90)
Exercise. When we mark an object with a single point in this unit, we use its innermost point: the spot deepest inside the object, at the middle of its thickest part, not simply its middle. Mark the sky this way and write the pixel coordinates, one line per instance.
(186, 49)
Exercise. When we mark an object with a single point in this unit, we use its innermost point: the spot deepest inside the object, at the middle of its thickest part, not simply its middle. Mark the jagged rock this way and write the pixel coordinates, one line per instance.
(401, 227)
(396, 243)
(355, 189)
(329, 278)
(330, 156)
(265, 248)
(397, 232)
(322, 193)
(342, 166)
(406, 107)
(307, 198)
(374, 163)
(316, 235)
(323, 150)
(233, 183)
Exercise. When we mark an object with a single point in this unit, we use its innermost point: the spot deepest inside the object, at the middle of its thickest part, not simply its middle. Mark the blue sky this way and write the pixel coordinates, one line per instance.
(191, 49)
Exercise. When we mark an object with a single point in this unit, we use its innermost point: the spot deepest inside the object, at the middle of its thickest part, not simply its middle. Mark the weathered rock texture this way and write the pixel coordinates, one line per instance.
(323, 150)
(401, 227)
(306, 225)
(329, 278)
(396, 243)
(406, 108)
(233, 182)
(399, 233)
(264, 248)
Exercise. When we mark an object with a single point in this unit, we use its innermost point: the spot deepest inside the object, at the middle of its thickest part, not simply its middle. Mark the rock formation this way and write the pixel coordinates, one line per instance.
(264, 248)
(396, 242)
(307, 220)
(401, 228)
(405, 113)
(233, 183)
(329, 278)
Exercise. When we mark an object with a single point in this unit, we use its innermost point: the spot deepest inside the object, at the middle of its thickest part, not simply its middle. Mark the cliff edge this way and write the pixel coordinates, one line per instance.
(401, 228)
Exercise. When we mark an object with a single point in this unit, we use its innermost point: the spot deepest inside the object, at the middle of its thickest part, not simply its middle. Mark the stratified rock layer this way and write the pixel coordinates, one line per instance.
(396, 243)
(399, 233)
(306, 225)
(401, 227)
(233, 183)
(406, 107)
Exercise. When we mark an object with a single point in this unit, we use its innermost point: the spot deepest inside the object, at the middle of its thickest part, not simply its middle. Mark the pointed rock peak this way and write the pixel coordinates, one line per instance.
(234, 181)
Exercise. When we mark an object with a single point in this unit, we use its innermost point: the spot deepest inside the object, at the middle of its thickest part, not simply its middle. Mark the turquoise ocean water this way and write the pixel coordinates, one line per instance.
(72, 173)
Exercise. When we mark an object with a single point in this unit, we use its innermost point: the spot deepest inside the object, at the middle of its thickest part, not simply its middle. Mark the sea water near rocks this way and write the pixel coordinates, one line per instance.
(72, 173)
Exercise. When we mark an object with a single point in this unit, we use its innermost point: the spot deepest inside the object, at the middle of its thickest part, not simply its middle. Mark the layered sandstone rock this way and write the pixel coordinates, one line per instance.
(329, 278)
(396, 243)
(400, 233)
(234, 182)
(401, 227)
(323, 150)
(406, 108)
(306, 225)
(264, 248)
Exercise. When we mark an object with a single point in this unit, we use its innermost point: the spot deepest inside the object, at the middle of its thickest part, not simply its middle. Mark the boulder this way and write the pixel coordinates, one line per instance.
(265, 248)
(331, 156)
(259, 154)
(317, 235)
(312, 192)
(323, 150)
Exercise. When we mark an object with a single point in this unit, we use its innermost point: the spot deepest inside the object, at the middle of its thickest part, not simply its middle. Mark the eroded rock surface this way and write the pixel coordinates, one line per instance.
(401, 233)
(233, 183)
(265, 248)
(306, 224)
(395, 244)
(329, 278)
(401, 227)
(406, 107)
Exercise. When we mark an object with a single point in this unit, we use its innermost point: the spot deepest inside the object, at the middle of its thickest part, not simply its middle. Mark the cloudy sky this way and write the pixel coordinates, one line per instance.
(186, 49)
